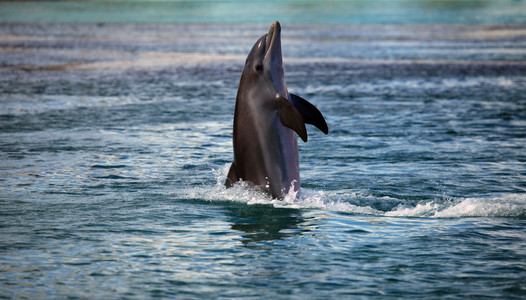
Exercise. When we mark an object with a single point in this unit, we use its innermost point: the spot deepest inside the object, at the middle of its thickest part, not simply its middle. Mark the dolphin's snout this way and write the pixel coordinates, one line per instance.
(275, 26)
(273, 39)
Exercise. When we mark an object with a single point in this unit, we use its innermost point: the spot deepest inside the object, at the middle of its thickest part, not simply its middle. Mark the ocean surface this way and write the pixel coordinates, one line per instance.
(116, 137)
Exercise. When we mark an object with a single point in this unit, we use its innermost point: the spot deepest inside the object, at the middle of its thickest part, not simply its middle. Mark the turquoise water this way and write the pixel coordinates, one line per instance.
(265, 12)
(116, 137)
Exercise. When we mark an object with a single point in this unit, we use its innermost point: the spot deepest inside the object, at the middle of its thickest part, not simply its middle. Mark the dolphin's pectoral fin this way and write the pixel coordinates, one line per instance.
(232, 176)
(311, 115)
(291, 117)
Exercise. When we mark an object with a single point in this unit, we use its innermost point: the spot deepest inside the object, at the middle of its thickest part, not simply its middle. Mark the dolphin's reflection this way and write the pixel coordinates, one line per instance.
(265, 223)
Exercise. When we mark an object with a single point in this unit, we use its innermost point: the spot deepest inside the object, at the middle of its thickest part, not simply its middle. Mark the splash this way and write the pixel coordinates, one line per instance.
(244, 192)
(505, 206)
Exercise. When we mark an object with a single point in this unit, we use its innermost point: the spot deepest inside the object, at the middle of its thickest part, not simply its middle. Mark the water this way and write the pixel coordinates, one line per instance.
(115, 140)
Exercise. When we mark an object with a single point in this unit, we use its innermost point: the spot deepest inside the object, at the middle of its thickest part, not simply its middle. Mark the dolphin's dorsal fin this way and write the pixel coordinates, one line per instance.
(291, 117)
(311, 115)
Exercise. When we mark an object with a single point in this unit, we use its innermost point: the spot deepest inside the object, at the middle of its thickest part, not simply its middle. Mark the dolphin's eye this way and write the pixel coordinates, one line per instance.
(259, 68)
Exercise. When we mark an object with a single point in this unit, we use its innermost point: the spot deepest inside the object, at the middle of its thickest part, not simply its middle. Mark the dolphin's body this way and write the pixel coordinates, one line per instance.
(266, 120)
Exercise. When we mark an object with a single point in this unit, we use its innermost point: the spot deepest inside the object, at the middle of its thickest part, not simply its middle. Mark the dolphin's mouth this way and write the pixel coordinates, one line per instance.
(273, 35)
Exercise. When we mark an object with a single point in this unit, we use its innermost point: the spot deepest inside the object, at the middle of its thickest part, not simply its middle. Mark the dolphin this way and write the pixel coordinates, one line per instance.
(267, 121)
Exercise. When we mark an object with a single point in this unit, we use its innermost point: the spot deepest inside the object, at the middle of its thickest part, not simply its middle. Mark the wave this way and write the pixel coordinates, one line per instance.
(507, 205)
(412, 84)
(502, 206)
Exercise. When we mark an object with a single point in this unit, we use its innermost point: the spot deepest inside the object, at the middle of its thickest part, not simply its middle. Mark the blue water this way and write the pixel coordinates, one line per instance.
(116, 137)
(300, 12)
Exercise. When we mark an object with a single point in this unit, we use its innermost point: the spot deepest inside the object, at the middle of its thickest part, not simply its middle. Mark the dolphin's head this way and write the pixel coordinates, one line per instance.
(264, 65)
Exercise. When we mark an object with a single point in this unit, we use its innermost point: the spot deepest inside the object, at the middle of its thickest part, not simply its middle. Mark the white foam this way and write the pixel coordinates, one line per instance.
(306, 199)
(508, 205)
(244, 192)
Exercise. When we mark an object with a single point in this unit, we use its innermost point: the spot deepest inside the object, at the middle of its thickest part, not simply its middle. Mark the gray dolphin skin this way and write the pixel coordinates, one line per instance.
(266, 120)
